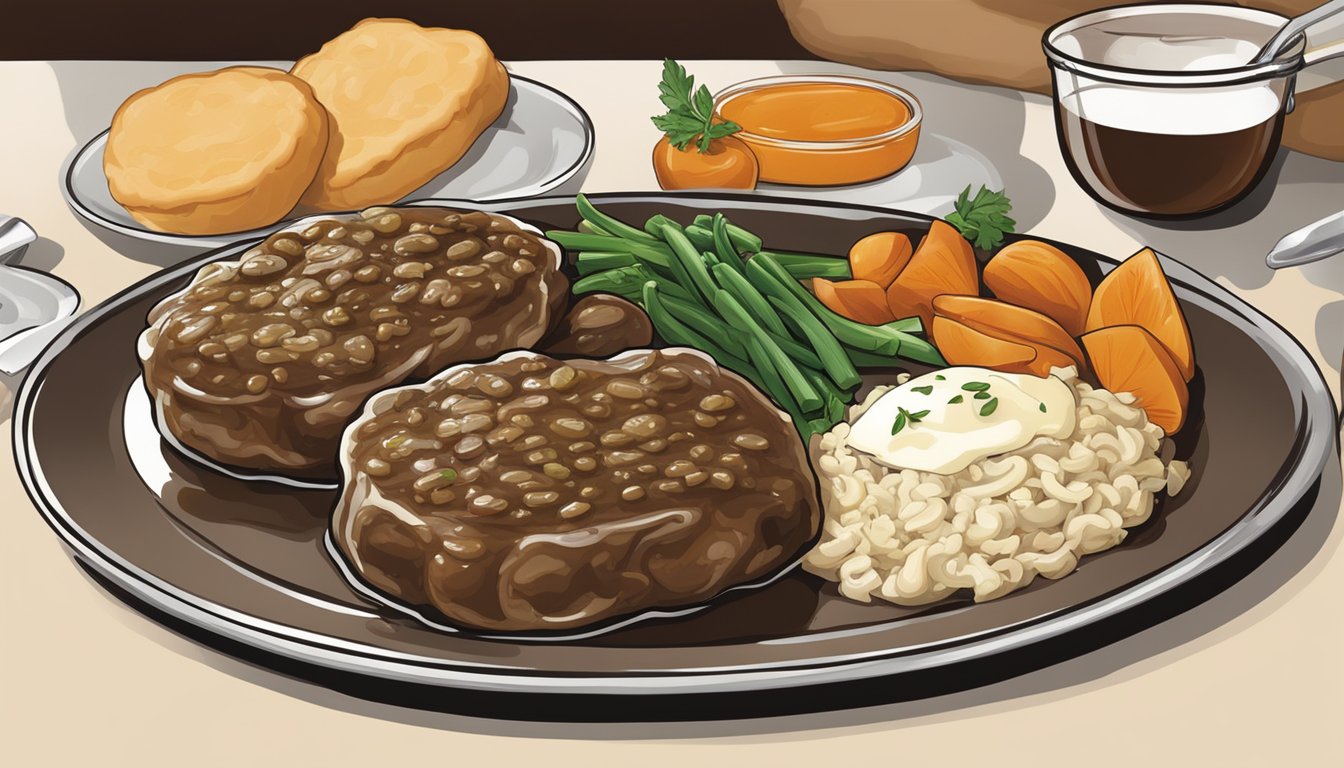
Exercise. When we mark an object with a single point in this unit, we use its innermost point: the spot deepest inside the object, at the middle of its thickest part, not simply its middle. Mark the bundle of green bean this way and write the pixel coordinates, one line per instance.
(710, 286)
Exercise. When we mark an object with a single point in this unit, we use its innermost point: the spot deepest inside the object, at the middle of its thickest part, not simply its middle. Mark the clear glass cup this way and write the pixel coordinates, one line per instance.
(1157, 109)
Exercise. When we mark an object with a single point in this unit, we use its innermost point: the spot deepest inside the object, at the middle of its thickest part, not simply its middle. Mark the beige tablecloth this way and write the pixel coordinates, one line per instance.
(1252, 677)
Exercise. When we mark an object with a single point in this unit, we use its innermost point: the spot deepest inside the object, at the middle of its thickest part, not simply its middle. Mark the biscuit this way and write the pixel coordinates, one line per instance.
(215, 152)
(406, 102)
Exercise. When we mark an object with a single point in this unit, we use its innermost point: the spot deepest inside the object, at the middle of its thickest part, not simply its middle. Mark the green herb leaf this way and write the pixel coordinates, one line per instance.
(984, 219)
(449, 474)
(690, 111)
(989, 407)
(899, 424)
(1042, 407)
(675, 89)
(982, 395)
(955, 400)
(926, 390)
(939, 377)
(975, 386)
(918, 416)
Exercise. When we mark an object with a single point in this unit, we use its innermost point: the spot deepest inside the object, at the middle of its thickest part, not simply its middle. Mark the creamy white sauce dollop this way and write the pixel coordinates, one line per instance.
(945, 427)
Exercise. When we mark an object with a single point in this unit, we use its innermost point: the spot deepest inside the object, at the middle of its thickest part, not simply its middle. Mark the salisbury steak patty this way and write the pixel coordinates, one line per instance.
(261, 362)
(534, 493)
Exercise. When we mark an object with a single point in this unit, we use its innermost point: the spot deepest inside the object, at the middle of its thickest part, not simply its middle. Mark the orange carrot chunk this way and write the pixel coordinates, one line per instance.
(1127, 358)
(1014, 323)
(880, 257)
(943, 263)
(961, 344)
(860, 300)
(1137, 293)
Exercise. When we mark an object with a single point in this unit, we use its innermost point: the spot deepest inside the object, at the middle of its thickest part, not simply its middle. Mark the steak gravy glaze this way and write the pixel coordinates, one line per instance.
(533, 493)
(261, 362)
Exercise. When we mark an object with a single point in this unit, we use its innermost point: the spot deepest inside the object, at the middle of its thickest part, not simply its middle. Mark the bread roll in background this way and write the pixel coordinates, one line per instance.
(216, 152)
(405, 102)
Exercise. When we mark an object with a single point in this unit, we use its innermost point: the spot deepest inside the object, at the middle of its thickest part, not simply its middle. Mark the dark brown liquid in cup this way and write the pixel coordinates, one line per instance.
(1165, 174)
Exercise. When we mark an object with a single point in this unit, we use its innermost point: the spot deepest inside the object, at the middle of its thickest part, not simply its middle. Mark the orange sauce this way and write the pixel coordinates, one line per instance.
(822, 133)
(816, 112)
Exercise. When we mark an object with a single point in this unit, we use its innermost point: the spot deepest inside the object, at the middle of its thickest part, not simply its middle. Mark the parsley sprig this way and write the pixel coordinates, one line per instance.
(690, 110)
(984, 219)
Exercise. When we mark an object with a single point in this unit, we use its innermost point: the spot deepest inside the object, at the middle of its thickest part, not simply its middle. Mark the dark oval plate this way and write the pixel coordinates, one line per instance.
(243, 566)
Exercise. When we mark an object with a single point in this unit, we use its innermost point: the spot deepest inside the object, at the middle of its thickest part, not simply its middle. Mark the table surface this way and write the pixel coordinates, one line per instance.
(1253, 674)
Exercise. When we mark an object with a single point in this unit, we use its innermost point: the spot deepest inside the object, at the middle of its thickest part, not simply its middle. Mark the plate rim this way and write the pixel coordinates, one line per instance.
(82, 209)
(1315, 413)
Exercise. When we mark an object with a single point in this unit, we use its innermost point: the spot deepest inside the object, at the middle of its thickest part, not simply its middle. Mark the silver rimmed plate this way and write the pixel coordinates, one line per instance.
(244, 566)
(542, 140)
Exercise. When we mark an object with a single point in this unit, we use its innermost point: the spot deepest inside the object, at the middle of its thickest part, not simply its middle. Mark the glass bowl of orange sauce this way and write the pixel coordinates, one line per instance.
(823, 130)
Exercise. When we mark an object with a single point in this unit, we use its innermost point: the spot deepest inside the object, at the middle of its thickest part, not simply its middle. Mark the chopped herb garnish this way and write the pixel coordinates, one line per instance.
(925, 390)
(449, 474)
(690, 111)
(939, 377)
(1042, 407)
(975, 386)
(904, 417)
(982, 395)
(983, 219)
(899, 424)
(989, 407)
(955, 400)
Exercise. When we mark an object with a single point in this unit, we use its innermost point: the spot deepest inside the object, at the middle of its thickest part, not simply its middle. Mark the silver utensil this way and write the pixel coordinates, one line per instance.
(1296, 26)
(15, 237)
(1318, 240)
(34, 306)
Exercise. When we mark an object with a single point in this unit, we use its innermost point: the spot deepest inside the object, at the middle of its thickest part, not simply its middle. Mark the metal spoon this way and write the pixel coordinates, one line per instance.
(34, 305)
(1296, 26)
(1318, 240)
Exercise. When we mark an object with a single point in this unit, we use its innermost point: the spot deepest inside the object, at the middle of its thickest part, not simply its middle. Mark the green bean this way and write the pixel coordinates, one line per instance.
(723, 246)
(706, 324)
(823, 383)
(589, 228)
(583, 241)
(712, 326)
(590, 262)
(654, 226)
(677, 333)
(742, 240)
(915, 349)
(864, 359)
(772, 383)
(799, 352)
(919, 350)
(835, 410)
(701, 238)
(768, 275)
(606, 223)
(905, 325)
(733, 282)
(831, 355)
(803, 266)
(656, 253)
(804, 393)
(694, 265)
(626, 281)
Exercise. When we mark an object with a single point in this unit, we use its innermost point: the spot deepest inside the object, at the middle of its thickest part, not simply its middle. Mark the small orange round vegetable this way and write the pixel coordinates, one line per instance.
(860, 300)
(729, 164)
(880, 257)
